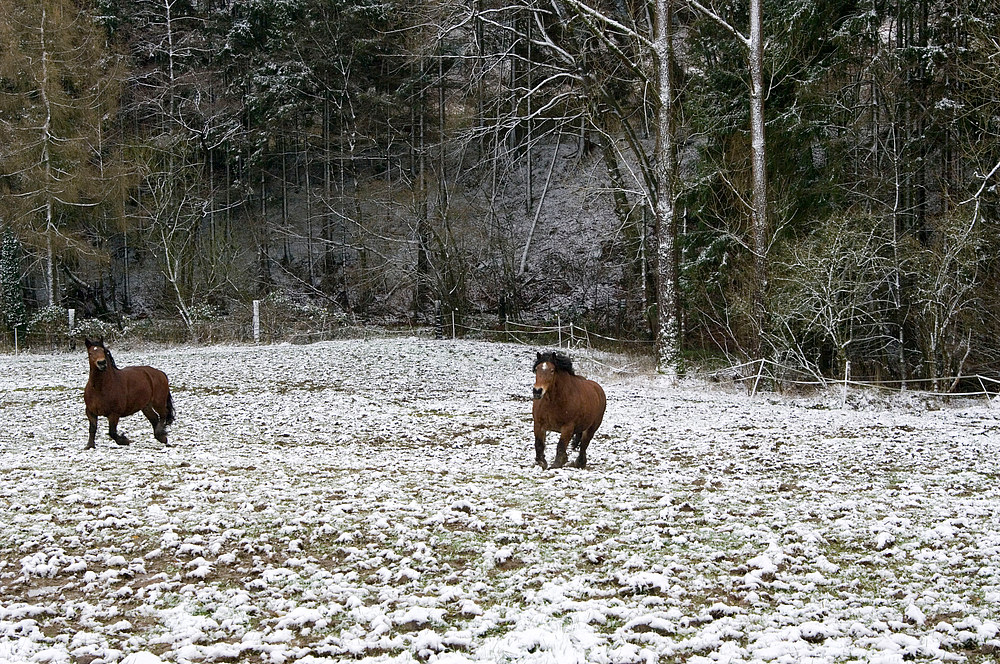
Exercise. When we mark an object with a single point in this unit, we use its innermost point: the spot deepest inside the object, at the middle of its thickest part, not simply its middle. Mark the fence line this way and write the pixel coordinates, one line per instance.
(750, 373)
(577, 334)
(752, 379)
(758, 374)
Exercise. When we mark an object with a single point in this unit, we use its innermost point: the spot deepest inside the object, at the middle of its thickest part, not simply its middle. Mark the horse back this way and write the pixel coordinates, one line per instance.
(154, 380)
(598, 401)
(148, 386)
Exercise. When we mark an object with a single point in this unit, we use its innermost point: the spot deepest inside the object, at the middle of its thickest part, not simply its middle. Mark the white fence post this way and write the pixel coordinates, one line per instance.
(760, 374)
(989, 402)
(15, 341)
(256, 321)
(847, 377)
(71, 314)
(453, 336)
(559, 327)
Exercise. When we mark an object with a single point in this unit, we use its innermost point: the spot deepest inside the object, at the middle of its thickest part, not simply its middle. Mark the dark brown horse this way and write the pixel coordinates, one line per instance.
(567, 403)
(115, 393)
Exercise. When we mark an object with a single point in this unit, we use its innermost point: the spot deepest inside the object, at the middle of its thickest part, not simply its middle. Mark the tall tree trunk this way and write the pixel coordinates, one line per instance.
(668, 337)
(421, 296)
(50, 226)
(309, 216)
(760, 209)
(754, 43)
(263, 244)
(538, 208)
(286, 252)
(529, 190)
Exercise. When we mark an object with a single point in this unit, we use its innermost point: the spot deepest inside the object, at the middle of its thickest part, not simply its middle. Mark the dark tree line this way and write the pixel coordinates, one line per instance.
(816, 186)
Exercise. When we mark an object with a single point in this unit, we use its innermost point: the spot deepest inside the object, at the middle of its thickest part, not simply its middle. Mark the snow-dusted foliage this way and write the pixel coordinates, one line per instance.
(377, 501)
(12, 311)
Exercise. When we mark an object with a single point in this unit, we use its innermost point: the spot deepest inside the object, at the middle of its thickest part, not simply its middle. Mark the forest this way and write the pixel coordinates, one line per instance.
(808, 181)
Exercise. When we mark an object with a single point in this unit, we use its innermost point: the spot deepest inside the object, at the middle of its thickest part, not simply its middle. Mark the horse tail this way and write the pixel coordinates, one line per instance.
(169, 419)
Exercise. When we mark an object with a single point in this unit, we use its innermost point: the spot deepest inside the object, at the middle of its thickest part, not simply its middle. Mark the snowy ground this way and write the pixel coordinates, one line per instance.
(376, 501)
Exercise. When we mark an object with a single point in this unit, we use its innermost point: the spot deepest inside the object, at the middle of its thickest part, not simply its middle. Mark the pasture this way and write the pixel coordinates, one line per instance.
(377, 501)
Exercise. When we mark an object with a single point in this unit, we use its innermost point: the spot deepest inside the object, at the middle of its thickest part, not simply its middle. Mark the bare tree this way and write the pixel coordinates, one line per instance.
(946, 274)
(582, 69)
(168, 210)
(833, 296)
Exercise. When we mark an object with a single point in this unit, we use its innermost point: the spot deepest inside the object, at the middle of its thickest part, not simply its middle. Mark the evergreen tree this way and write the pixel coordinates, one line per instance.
(60, 87)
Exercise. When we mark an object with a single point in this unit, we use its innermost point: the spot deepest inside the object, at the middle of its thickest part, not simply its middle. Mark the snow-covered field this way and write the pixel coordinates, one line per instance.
(376, 501)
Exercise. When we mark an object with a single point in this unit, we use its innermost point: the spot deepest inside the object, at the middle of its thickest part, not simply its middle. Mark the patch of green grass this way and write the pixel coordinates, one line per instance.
(434, 412)
(47, 388)
(215, 390)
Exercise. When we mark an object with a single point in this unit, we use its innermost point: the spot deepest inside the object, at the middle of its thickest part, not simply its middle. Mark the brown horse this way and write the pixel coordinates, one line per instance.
(115, 393)
(567, 403)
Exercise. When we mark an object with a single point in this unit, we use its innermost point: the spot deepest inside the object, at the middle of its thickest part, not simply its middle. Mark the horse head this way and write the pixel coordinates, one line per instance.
(545, 368)
(99, 356)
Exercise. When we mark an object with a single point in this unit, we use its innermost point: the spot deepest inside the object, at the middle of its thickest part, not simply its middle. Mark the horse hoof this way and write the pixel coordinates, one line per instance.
(542, 463)
(89, 446)
(123, 441)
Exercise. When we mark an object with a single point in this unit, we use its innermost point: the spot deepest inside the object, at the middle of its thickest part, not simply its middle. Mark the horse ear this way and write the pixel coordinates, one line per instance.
(87, 342)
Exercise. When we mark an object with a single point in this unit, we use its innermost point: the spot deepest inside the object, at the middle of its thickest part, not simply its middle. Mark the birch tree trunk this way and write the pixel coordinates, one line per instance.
(50, 224)
(754, 43)
(759, 220)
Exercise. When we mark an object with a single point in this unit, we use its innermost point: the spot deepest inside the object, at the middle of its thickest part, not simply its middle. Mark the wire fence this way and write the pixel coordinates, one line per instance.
(258, 325)
(559, 334)
(756, 373)
(752, 375)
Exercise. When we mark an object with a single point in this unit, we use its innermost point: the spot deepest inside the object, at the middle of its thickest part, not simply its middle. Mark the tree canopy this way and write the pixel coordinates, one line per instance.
(508, 160)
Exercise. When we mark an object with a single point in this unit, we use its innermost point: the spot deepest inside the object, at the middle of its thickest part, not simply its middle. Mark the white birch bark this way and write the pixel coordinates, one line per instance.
(754, 43)
(759, 220)
(50, 224)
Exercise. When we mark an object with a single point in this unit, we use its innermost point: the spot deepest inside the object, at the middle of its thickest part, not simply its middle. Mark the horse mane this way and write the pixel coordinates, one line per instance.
(559, 360)
(111, 359)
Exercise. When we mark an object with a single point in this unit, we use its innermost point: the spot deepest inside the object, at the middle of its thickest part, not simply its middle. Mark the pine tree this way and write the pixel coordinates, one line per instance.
(60, 87)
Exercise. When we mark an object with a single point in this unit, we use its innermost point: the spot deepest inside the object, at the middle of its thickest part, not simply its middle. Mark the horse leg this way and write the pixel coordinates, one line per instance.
(93, 431)
(575, 443)
(159, 424)
(119, 438)
(540, 448)
(581, 459)
(561, 457)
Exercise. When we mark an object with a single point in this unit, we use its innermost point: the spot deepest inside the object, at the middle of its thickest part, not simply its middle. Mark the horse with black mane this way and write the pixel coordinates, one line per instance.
(115, 393)
(567, 403)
